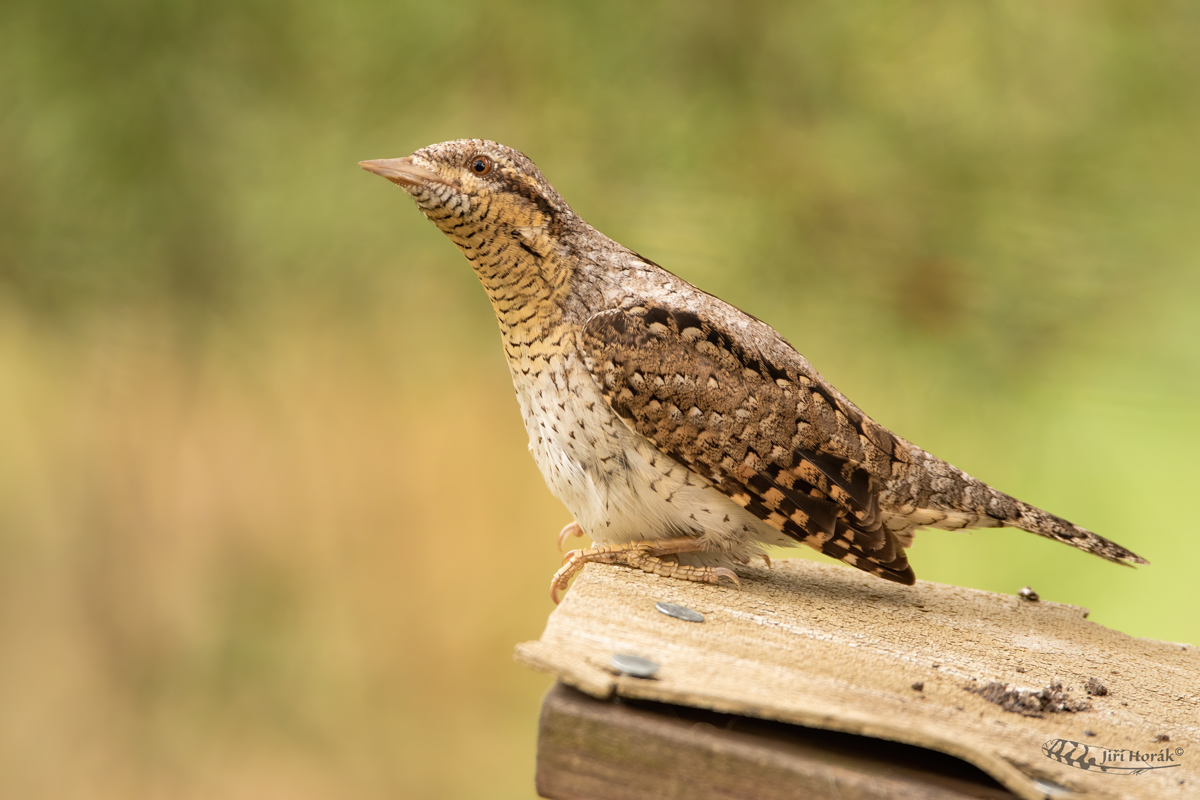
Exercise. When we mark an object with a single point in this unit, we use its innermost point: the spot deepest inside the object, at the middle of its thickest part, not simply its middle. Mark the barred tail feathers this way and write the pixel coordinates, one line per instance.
(1035, 520)
(930, 492)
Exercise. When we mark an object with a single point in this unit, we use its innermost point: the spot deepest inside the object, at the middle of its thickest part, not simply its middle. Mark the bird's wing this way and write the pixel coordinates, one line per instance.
(782, 445)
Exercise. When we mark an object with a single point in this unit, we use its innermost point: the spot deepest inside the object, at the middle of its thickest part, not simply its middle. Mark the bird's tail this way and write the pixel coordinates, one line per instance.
(940, 495)
(1035, 520)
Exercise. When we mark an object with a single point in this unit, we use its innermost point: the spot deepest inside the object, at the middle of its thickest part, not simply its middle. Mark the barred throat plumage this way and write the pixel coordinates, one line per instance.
(682, 434)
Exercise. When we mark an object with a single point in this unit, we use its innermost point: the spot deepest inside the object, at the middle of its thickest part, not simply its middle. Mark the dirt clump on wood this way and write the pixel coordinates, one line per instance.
(1052, 699)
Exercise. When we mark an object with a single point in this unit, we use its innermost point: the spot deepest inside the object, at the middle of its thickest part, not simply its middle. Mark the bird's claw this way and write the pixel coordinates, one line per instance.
(745, 560)
(722, 572)
(568, 531)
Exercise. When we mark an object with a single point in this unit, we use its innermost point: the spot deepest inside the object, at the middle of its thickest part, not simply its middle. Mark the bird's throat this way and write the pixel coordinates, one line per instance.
(524, 281)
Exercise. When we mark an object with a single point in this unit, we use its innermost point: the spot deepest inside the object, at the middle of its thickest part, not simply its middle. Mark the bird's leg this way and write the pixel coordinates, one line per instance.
(643, 555)
(568, 530)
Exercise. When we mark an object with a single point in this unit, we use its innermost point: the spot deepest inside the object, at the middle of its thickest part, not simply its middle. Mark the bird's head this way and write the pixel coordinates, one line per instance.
(473, 186)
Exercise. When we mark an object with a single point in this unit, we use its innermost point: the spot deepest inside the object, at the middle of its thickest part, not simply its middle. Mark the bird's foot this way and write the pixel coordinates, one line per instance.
(568, 530)
(643, 555)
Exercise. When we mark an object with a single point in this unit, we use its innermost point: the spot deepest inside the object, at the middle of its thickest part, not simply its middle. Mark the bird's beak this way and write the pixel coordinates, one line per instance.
(401, 171)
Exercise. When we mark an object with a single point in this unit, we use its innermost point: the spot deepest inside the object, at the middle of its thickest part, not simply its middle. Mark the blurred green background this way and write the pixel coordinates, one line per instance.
(268, 527)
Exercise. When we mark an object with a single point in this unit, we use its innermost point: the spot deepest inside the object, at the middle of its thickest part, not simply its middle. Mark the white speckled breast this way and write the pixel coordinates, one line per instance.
(615, 483)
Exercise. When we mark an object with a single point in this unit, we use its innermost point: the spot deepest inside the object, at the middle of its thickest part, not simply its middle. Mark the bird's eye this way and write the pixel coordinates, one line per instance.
(481, 165)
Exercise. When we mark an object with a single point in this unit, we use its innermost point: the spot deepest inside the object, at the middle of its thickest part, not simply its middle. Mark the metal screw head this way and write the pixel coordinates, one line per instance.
(634, 666)
(679, 612)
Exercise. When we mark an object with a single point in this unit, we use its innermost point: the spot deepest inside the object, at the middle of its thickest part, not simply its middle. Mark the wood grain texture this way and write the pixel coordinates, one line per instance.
(591, 749)
(832, 648)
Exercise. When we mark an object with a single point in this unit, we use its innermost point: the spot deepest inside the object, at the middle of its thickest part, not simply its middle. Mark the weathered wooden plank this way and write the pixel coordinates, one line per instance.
(827, 647)
(592, 749)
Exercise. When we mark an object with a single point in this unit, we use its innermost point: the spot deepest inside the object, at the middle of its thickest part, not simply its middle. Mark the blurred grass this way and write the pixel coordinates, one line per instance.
(267, 524)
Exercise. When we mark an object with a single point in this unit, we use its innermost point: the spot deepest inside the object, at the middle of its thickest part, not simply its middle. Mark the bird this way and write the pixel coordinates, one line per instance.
(684, 435)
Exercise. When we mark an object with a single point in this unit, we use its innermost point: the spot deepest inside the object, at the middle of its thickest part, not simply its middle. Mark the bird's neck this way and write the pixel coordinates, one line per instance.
(525, 277)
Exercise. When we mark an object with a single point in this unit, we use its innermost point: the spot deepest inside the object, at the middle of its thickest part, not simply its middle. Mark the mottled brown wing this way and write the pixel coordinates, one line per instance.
(780, 444)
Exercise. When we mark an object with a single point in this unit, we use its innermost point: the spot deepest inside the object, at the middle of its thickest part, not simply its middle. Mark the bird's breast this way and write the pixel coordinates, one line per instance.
(617, 485)
(579, 444)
